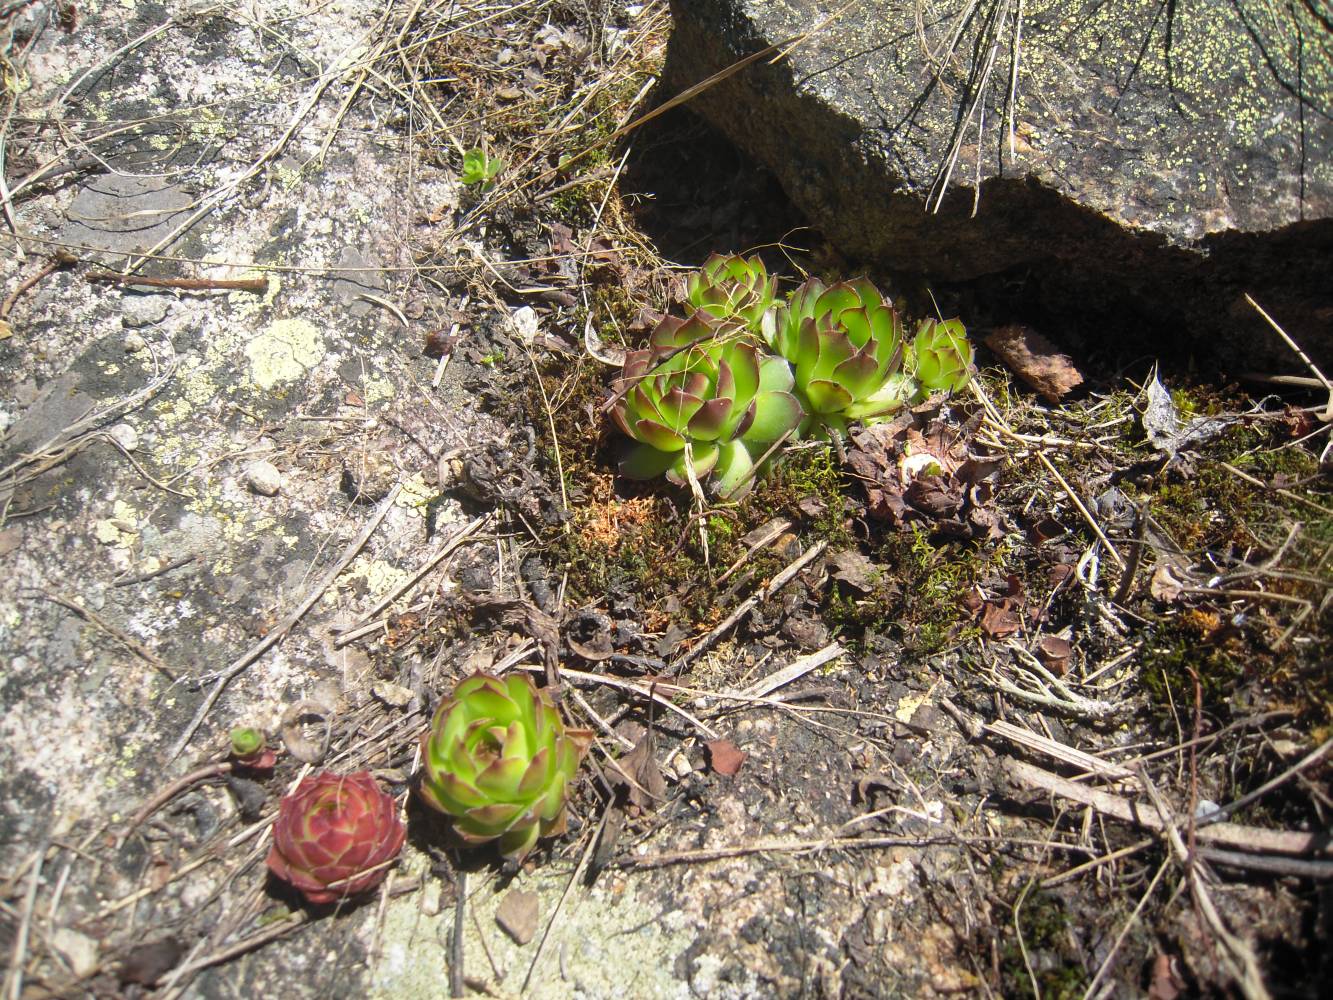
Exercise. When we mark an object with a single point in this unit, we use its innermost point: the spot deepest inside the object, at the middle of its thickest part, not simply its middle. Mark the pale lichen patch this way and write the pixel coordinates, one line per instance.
(284, 351)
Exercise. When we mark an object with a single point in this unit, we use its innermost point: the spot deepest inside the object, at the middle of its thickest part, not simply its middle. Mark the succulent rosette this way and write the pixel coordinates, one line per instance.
(497, 759)
(846, 346)
(734, 288)
(335, 835)
(943, 355)
(702, 402)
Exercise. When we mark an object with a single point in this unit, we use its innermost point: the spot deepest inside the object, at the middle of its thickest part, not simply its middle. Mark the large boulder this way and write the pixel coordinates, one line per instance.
(1156, 161)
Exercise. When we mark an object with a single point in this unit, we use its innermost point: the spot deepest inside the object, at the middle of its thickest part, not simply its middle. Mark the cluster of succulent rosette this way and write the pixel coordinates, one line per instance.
(717, 392)
(497, 761)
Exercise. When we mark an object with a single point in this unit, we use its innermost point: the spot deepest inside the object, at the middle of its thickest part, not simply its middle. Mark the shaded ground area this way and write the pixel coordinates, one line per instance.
(973, 742)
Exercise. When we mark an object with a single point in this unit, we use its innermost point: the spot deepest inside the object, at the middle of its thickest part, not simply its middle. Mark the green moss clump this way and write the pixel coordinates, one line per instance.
(1044, 924)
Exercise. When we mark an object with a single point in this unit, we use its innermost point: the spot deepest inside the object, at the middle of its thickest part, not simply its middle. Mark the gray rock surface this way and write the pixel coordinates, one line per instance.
(1158, 160)
(137, 563)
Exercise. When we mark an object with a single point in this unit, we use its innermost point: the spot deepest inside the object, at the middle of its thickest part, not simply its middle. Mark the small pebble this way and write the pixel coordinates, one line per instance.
(526, 324)
(680, 764)
(517, 915)
(79, 950)
(393, 695)
(125, 435)
(134, 343)
(143, 310)
(264, 478)
(430, 900)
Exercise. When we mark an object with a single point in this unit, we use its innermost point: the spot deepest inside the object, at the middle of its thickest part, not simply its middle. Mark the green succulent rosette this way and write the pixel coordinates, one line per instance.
(701, 402)
(845, 344)
(497, 760)
(734, 288)
(942, 355)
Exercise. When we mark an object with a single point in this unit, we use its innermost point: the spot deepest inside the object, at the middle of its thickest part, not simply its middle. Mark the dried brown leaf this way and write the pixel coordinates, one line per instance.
(725, 757)
(1036, 361)
(1054, 652)
(639, 774)
(999, 619)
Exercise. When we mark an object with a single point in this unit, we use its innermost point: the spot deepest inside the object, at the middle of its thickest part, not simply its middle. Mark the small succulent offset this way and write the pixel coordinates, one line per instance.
(249, 750)
(943, 356)
(335, 835)
(498, 759)
(703, 404)
(478, 168)
(846, 345)
(734, 288)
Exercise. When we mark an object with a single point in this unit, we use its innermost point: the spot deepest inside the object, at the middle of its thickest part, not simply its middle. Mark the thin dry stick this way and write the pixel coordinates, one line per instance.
(564, 896)
(773, 533)
(19, 954)
(122, 637)
(283, 627)
(1246, 838)
(1280, 492)
(1328, 410)
(59, 260)
(211, 201)
(775, 846)
(1310, 759)
(170, 792)
(1003, 426)
(578, 676)
(450, 544)
(750, 603)
(185, 284)
(1124, 931)
(1237, 955)
(1097, 862)
(288, 924)
(797, 668)
(555, 438)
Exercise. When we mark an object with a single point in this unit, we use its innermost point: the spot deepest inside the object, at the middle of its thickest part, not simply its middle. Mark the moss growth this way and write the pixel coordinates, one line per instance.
(1041, 919)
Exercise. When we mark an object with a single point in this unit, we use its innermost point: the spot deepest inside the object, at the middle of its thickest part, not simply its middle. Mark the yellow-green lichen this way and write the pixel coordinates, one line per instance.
(284, 351)
(415, 494)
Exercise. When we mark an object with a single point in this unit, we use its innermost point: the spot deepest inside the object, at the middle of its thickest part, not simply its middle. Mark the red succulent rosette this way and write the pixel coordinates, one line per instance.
(334, 835)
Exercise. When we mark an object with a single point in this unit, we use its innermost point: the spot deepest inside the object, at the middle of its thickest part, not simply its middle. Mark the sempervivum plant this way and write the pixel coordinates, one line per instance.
(943, 355)
(335, 835)
(734, 288)
(497, 759)
(846, 346)
(702, 403)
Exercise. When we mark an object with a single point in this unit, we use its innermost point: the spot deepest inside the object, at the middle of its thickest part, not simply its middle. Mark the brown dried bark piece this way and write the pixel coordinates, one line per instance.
(1035, 360)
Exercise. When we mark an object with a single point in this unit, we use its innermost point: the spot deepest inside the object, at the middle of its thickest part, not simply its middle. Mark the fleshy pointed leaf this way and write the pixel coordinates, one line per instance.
(775, 414)
(827, 397)
(646, 462)
(733, 477)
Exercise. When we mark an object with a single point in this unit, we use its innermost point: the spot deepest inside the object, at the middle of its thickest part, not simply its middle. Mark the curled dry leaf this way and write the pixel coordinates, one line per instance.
(1054, 652)
(725, 757)
(608, 354)
(638, 773)
(1164, 586)
(589, 635)
(854, 569)
(299, 745)
(1036, 361)
(919, 469)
